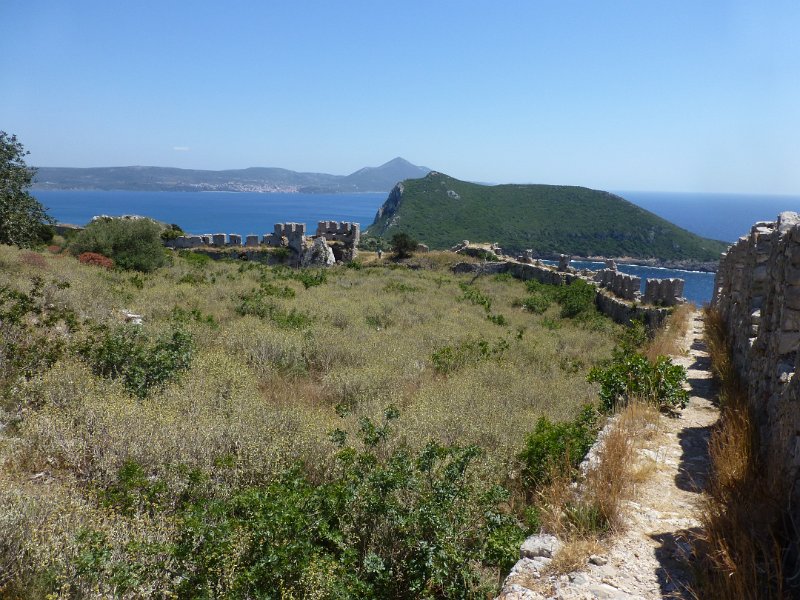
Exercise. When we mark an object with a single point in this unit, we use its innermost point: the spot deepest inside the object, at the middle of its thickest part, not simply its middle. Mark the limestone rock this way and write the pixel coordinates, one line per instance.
(318, 254)
(540, 545)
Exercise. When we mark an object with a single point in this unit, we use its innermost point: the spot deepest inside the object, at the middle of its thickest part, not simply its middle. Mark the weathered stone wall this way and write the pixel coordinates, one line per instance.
(667, 292)
(619, 310)
(340, 231)
(344, 235)
(620, 284)
(758, 296)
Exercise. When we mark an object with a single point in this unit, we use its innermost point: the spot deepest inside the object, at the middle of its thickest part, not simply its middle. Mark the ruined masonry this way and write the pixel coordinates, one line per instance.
(343, 237)
(757, 292)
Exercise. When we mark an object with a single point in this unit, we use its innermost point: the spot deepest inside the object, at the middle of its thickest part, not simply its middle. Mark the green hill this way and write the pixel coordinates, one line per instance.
(441, 211)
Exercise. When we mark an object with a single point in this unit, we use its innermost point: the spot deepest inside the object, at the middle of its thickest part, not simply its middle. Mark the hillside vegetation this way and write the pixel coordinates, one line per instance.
(441, 211)
(369, 432)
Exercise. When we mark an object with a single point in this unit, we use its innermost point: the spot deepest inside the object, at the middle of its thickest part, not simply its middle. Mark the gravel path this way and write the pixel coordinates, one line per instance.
(649, 560)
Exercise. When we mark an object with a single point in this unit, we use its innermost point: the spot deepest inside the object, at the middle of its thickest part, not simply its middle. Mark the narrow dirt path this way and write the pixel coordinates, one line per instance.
(650, 559)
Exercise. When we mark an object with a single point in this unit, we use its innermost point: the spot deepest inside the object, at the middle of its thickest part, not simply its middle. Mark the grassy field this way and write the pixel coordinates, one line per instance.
(119, 441)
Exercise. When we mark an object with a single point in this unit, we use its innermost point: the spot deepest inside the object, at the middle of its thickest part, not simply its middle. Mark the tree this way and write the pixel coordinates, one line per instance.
(23, 220)
(132, 243)
(403, 245)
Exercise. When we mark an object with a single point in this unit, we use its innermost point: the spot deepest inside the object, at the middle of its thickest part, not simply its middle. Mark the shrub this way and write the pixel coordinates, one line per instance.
(33, 259)
(557, 448)
(127, 353)
(403, 245)
(536, 303)
(453, 358)
(195, 259)
(389, 523)
(93, 258)
(497, 319)
(474, 296)
(171, 232)
(630, 375)
(258, 303)
(576, 299)
(132, 243)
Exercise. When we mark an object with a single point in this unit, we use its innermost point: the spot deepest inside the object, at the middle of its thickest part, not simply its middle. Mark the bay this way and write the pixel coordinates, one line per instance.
(698, 286)
(725, 217)
(720, 216)
(213, 212)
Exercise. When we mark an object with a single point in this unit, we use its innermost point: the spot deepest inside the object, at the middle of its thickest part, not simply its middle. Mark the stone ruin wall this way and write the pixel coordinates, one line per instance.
(345, 236)
(757, 293)
(618, 309)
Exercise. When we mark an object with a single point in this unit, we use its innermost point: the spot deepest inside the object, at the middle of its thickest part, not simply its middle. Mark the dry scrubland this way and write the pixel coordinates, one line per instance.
(93, 475)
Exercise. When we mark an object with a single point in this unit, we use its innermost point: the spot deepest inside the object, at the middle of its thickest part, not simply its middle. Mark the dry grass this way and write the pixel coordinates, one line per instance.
(741, 548)
(574, 555)
(612, 480)
(596, 511)
(669, 339)
(260, 396)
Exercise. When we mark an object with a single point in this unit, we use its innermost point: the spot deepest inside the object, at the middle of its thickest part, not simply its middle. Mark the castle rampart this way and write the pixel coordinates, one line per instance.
(343, 235)
(757, 293)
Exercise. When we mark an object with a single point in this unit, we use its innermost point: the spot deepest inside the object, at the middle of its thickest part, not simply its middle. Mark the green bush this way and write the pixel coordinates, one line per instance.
(195, 259)
(127, 353)
(403, 245)
(389, 523)
(536, 303)
(453, 358)
(497, 319)
(630, 375)
(258, 303)
(557, 447)
(576, 299)
(132, 243)
(474, 296)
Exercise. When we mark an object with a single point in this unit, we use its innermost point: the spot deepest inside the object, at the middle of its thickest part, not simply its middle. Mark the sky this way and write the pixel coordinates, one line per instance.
(635, 95)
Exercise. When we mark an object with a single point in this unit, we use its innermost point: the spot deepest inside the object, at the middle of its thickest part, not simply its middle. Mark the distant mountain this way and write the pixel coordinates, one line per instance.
(254, 179)
(549, 219)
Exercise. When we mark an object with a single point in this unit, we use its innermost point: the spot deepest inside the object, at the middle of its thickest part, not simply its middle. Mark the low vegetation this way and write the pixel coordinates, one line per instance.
(745, 548)
(357, 432)
(133, 244)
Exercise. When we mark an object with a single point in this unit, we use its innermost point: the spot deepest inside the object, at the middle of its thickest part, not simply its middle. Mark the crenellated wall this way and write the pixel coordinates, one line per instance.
(757, 292)
(622, 285)
(345, 236)
(618, 309)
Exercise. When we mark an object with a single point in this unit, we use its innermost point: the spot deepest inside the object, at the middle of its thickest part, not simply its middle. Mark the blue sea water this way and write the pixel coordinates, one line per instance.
(213, 212)
(720, 216)
(698, 287)
(724, 217)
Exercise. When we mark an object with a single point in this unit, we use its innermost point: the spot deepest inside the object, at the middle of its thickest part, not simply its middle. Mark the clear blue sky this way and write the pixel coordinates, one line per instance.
(652, 95)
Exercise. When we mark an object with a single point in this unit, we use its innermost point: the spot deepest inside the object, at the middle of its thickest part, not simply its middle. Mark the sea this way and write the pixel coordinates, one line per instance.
(723, 217)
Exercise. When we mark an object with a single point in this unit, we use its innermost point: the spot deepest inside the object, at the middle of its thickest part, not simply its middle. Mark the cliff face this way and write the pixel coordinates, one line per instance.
(758, 295)
(386, 213)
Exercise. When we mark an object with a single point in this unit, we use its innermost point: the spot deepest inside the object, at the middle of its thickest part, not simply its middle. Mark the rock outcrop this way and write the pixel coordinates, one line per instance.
(318, 254)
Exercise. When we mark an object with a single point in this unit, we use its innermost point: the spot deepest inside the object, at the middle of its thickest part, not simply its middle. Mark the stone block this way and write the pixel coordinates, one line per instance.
(219, 239)
(790, 319)
(788, 342)
(234, 239)
(251, 241)
(791, 296)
